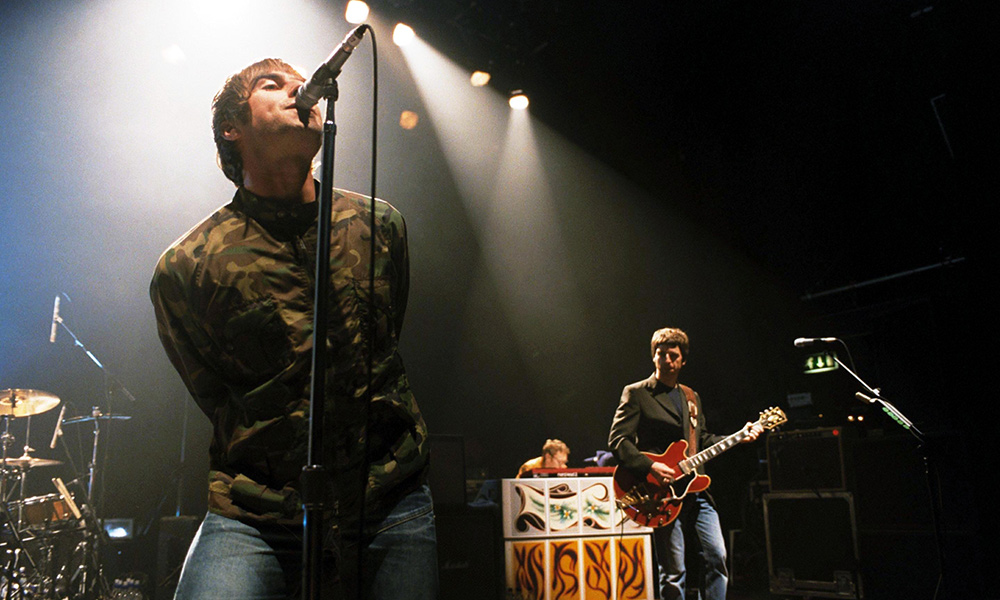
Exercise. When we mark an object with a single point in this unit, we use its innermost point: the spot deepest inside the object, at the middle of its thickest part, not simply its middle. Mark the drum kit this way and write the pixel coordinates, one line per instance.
(49, 544)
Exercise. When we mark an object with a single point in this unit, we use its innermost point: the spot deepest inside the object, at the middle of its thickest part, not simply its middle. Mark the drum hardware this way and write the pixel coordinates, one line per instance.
(84, 579)
(49, 545)
(95, 417)
(54, 574)
(24, 403)
(29, 462)
(14, 549)
(45, 512)
(48, 556)
(67, 497)
(53, 551)
(21, 403)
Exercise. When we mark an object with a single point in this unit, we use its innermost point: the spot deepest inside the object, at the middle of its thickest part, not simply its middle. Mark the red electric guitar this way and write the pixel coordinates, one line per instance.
(648, 503)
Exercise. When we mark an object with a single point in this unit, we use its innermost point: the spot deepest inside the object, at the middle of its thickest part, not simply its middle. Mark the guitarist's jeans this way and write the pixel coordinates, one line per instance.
(698, 517)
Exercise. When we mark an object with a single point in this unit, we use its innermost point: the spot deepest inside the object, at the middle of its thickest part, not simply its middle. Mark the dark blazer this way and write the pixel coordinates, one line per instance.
(649, 418)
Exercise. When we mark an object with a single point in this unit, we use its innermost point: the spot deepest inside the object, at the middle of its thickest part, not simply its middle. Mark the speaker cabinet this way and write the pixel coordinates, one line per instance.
(806, 460)
(812, 544)
(470, 553)
(446, 476)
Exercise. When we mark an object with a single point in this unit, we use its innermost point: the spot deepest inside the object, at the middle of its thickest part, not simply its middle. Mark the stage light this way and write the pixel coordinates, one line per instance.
(357, 12)
(403, 34)
(518, 100)
(173, 54)
(408, 119)
(479, 78)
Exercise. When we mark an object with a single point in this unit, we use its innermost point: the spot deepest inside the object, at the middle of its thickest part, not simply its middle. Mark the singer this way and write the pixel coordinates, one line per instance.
(233, 299)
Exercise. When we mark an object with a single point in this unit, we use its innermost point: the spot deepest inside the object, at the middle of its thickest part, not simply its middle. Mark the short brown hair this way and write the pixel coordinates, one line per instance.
(230, 106)
(670, 336)
(551, 447)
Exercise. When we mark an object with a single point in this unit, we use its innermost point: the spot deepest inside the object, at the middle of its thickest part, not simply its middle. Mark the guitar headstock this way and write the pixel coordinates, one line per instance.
(772, 417)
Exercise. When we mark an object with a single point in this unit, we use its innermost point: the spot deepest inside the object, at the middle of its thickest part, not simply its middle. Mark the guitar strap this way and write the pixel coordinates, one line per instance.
(693, 418)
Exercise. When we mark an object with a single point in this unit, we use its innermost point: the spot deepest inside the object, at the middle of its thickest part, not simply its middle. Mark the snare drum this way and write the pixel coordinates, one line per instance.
(43, 511)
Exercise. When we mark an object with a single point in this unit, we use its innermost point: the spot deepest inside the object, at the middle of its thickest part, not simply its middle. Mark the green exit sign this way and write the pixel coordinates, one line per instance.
(820, 363)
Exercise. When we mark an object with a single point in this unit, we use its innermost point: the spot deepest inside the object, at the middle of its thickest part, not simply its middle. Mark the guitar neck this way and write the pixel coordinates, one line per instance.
(688, 465)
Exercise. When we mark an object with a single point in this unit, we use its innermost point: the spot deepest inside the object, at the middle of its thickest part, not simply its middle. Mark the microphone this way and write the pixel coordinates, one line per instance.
(864, 398)
(55, 321)
(311, 91)
(58, 431)
(803, 342)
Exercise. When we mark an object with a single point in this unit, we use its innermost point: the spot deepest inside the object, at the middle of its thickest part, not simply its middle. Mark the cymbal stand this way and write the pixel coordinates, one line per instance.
(6, 440)
(92, 467)
(24, 475)
(90, 574)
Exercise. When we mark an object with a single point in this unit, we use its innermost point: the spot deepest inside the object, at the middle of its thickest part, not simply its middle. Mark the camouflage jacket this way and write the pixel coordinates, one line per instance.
(234, 307)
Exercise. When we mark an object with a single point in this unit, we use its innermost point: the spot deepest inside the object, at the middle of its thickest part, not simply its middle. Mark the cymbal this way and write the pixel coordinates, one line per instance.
(24, 403)
(29, 462)
(89, 418)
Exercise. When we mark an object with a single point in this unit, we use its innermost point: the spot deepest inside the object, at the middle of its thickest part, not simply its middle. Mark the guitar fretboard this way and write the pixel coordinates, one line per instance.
(689, 465)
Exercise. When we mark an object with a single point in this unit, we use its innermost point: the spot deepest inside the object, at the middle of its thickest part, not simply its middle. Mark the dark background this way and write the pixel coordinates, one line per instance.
(750, 173)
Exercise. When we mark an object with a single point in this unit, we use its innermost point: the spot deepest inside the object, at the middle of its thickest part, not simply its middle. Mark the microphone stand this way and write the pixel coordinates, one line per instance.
(93, 550)
(107, 374)
(108, 380)
(930, 472)
(314, 474)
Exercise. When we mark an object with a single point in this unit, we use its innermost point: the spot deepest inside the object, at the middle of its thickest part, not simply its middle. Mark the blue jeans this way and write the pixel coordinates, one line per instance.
(700, 518)
(230, 559)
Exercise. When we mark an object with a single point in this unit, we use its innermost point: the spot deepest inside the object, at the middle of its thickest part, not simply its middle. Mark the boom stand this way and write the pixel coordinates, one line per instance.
(92, 543)
(929, 467)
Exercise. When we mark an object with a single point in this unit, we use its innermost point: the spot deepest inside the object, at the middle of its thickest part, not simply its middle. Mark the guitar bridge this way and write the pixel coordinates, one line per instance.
(632, 499)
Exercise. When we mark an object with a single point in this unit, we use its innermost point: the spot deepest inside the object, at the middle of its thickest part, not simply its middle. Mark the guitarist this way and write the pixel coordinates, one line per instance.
(652, 414)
